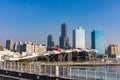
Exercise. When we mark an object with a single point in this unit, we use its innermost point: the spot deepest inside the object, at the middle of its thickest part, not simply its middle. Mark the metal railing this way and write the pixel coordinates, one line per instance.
(65, 71)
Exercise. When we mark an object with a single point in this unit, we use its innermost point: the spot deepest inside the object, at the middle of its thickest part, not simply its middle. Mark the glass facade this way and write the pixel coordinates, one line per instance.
(98, 42)
(10, 44)
(64, 40)
(50, 42)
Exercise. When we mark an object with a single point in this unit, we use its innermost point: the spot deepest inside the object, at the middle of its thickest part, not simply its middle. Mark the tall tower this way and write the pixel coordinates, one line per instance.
(79, 38)
(50, 42)
(10, 44)
(98, 42)
(64, 40)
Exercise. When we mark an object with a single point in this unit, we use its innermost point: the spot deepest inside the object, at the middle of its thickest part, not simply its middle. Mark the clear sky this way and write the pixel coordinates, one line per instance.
(33, 20)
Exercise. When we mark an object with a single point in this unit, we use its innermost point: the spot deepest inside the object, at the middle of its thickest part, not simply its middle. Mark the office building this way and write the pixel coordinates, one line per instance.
(10, 44)
(98, 42)
(39, 48)
(15, 46)
(64, 40)
(113, 49)
(28, 47)
(79, 38)
(20, 47)
(50, 42)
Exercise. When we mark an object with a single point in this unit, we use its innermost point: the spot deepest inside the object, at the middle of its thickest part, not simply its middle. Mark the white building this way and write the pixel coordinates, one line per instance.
(79, 38)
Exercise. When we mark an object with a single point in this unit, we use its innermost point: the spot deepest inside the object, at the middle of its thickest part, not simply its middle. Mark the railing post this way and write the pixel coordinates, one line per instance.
(63, 71)
(30, 68)
(116, 74)
(86, 74)
(39, 69)
(10, 65)
(95, 74)
(105, 75)
(25, 69)
(78, 72)
(21, 67)
(70, 71)
(4, 65)
(50, 69)
(36, 68)
(57, 70)
(45, 69)
(18, 66)
(14, 65)
(1, 65)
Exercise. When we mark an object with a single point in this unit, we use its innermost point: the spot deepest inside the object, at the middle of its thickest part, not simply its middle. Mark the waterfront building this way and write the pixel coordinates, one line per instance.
(1, 48)
(40, 48)
(64, 40)
(113, 50)
(10, 44)
(98, 42)
(79, 38)
(50, 42)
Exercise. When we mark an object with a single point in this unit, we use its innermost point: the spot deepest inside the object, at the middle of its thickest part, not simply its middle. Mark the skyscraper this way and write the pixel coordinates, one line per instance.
(79, 38)
(20, 47)
(64, 40)
(98, 43)
(50, 42)
(10, 44)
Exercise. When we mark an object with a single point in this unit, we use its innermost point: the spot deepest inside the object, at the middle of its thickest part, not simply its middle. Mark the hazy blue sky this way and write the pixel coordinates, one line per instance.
(33, 20)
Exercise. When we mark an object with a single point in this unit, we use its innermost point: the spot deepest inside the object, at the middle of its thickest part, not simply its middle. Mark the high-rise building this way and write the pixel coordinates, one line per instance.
(98, 42)
(50, 42)
(20, 47)
(16, 46)
(64, 40)
(10, 44)
(79, 38)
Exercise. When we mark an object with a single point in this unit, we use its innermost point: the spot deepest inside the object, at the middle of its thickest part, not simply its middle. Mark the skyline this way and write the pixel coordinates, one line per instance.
(28, 20)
